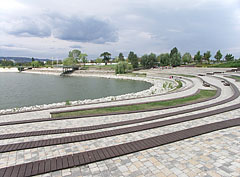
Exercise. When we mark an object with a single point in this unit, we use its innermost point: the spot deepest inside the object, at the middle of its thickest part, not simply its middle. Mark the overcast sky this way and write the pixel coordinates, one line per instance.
(51, 28)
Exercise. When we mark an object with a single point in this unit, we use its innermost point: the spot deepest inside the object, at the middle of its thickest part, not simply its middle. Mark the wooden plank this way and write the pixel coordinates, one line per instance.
(8, 171)
(65, 162)
(28, 171)
(47, 166)
(22, 170)
(76, 160)
(81, 158)
(41, 168)
(15, 171)
(53, 164)
(70, 161)
(35, 168)
(2, 172)
(86, 158)
(91, 156)
(96, 155)
(59, 163)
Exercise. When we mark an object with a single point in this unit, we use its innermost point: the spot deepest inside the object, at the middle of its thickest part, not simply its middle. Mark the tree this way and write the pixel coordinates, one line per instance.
(35, 64)
(98, 60)
(106, 57)
(187, 58)
(33, 59)
(207, 56)
(176, 59)
(83, 58)
(164, 59)
(198, 57)
(148, 61)
(120, 57)
(229, 57)
(132, 57)
(70, 61)
(74, 53)
(122, 67)
(218, 56)
(173, 51)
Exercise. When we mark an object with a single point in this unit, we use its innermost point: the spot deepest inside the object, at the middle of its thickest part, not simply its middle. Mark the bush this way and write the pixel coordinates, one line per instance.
(68, 103)
(122, 67)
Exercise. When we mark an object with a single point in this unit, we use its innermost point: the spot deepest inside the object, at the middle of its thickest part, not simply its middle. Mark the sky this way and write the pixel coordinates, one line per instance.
(51, 28)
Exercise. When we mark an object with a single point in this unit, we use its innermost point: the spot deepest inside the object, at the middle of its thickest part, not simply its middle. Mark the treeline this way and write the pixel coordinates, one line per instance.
(34, 63)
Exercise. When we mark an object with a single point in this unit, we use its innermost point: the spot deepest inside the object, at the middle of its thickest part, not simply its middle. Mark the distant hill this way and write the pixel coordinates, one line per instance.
(23, 59)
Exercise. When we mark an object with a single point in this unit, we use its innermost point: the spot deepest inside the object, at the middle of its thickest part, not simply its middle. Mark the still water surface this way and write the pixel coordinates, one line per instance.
(18, 90)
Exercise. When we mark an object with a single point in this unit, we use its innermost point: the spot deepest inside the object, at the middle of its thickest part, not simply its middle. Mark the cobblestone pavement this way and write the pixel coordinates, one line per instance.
(212, 154)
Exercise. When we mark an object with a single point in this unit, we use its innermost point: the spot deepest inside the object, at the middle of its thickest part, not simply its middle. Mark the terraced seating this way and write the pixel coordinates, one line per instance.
(69, 161)
(78, 159)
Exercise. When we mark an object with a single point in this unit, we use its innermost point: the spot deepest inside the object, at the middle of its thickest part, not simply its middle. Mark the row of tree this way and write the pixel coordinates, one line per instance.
(174, 58)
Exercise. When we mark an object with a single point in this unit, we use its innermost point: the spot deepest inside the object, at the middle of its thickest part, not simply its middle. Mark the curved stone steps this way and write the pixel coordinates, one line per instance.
(83, 158)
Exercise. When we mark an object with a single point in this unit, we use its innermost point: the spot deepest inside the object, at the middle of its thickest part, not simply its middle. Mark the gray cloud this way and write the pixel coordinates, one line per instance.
(27, 27)
(83, 30)
(89, 29)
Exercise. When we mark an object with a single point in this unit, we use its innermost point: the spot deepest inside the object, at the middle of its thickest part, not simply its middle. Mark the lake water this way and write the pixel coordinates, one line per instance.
(18, 89)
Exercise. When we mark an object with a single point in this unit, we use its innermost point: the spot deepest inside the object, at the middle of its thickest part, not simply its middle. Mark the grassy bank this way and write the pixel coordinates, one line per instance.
(203, 94)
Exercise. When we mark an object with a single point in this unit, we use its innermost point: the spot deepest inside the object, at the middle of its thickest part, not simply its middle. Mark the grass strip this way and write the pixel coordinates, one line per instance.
(203, 94)
(237, 78)
(185, 75)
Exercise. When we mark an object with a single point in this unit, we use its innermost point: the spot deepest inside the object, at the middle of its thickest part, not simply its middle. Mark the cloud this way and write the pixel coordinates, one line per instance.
(83, 30)
(27, 27)
(88, 29)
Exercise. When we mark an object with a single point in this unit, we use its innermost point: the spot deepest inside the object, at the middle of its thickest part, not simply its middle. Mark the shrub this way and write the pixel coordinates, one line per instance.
(67, 103)
(122, 67)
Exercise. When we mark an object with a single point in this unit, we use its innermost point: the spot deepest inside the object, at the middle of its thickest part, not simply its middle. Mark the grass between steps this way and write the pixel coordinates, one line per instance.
(202, 95)
(237, 78)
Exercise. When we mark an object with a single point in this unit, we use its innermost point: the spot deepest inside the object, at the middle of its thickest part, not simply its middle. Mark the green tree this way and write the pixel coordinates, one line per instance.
(164, 59)
(106, 57)
(218, 56)
(120, 57)
(133, 59)
(98, 60)
(173, 51)
(198, 57)
(229, 57)
(35, 64)
(187, 58)
(121, 67)
(207, 56)
(148, 61)
(176, 59)
(83, 58)
(74, 53)
(70, 61)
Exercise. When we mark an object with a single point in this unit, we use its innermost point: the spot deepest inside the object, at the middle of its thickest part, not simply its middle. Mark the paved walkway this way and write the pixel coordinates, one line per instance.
(213, 154)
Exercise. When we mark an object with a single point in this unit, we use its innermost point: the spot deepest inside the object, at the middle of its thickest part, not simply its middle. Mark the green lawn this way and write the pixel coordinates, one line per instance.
(203, 94)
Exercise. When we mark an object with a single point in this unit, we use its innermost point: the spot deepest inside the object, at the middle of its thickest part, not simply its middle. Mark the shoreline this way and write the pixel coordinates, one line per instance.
(155, 89)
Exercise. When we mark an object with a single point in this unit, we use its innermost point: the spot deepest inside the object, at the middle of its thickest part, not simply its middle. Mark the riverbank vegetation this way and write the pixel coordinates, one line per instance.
(202, 95)
(105, 60)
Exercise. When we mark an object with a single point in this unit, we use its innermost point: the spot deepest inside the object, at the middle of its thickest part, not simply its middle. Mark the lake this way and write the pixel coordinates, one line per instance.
(19, 90)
